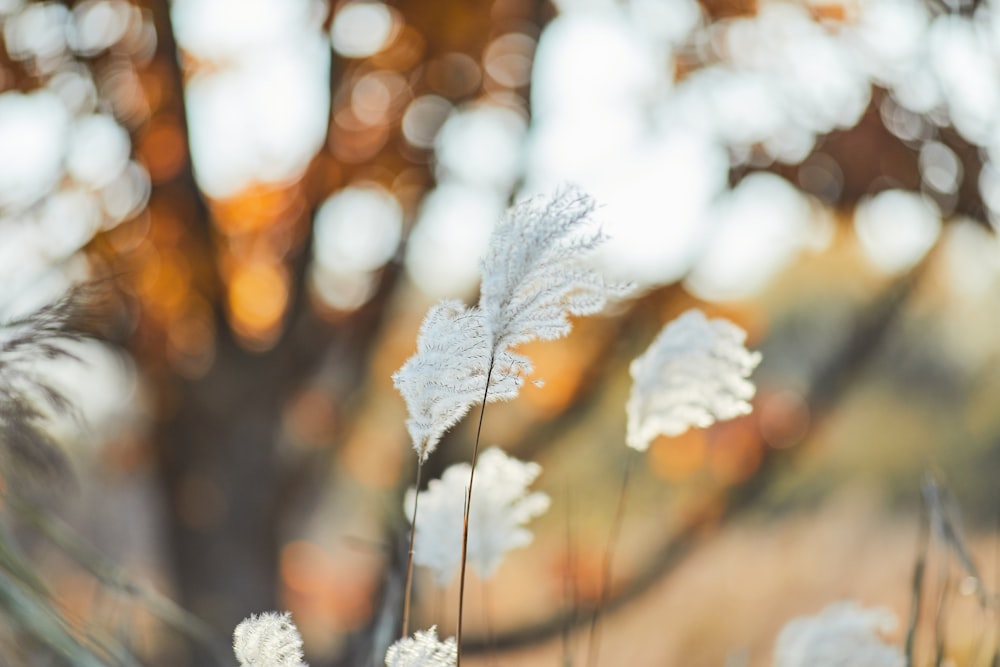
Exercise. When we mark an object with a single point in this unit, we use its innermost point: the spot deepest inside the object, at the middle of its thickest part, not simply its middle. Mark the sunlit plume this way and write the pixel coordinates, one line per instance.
(501, 507)
(269, 639)
(842, 634)
(422, 650)
(534, 278)
(693, 374)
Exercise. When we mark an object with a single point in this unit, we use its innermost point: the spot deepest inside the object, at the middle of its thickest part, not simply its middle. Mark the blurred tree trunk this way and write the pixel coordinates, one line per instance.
(226, 482)
(216, 435)
(219, 474)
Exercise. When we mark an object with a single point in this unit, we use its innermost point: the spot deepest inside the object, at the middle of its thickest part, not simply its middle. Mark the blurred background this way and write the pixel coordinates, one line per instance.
(275, 191)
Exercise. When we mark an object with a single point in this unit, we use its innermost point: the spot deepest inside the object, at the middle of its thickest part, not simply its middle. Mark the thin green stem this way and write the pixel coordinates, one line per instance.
(465, 519)
(616, 526)
(408, 591)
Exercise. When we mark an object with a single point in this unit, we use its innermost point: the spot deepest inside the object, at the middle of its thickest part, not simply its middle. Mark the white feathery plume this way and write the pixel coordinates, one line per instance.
(447, 374)
(423, 650)
(268, 640)
(693, 374)
(842, 635)
(533, 278)
(501, 507)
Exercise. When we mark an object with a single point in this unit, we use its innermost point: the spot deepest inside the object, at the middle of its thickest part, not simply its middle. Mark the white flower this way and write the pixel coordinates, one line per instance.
(842, 635)
(533, 279)
(268, 640)
(447, 375)
(500, 508)
(693, 374)
(424, 650)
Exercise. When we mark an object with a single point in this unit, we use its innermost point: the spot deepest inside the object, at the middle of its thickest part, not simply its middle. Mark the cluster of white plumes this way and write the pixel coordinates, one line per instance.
(534, 278)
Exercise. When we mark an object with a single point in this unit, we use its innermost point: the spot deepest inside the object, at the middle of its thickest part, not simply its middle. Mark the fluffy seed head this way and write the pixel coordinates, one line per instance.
(268, 640)
(842, 635)
(533, 275)
(693, 374)
(423, 650)
(501, 506)
(447, 375)
(533, 280)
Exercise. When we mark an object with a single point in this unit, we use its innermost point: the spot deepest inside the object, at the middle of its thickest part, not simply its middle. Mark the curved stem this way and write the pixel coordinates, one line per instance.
(616, 528)
(465, 519)
(407, 595)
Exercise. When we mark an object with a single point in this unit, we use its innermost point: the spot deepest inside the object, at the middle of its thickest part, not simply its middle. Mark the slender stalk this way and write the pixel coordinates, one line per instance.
(616, 526)
(465, 519)
(917, 585)
(940, 621)
(408, 591)
(941, 612)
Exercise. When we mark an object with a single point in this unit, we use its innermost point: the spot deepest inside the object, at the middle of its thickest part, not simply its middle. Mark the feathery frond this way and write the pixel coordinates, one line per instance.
(533, 278)
(448, 373)
(842, 635)
(500, 509)
(533, 281)
(268, 640)
(693, 374)
(423, 650)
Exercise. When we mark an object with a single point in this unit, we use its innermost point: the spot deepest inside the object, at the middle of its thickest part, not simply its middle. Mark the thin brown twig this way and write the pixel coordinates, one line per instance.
(917, 583)
(954, 533)
(408, 590)
(941, 616)
(465, 519)
(944, 571)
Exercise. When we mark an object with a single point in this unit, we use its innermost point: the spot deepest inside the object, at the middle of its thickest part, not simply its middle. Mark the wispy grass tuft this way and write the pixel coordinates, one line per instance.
(28, 452)
(33, 465)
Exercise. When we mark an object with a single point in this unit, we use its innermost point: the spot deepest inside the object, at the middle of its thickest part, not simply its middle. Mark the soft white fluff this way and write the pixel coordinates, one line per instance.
(501, 506)
(693, 374)
(842, 635)
(533, 276)
(423, 650)
(448, 373)
(532, 282)
(268, 640)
